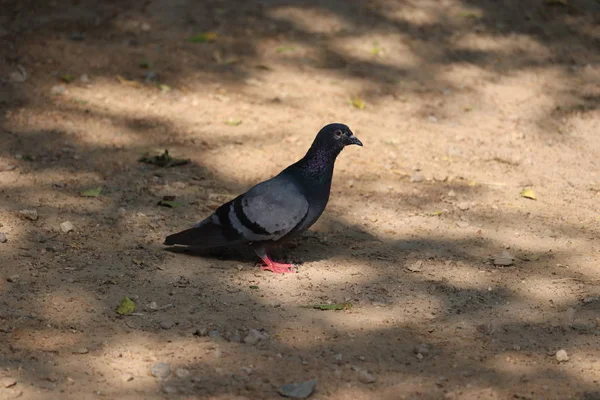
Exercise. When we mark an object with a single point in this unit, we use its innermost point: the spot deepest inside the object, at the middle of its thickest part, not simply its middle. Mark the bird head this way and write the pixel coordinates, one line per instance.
(337, 136)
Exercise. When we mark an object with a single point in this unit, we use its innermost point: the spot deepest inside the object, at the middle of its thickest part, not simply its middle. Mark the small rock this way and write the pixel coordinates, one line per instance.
(84, 78)
(31, 215)
(161, 370)
(462, 224)
(13, 278)
(200, 332)
(505, 259)
(19, 76)
(80, 350)
(3, 238)
(432, 118)
(254, 336)
(247, 370)
(298, 390)
(58, 90)
(454, 151)
(182, 373)
(127, 377)
(451, 193)
(235, 338)
(166, 324)
(150, 76)
(7, 382)
(152, 306)
(417, 266)
(463, 206)
(421, 349)
(214, 334)
(366, 377)
(417, 177)
(562, 356)
(145, 27)
(169, 389)
(66, 226)
(339, 357)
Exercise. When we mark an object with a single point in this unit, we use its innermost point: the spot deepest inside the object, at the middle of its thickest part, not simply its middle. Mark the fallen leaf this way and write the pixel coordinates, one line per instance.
(95, 192)
(357, 102)
(163, 160)
(128, 82)
(528, 194)
(253, 287)
(203, 37)
(285, 49)
(263, 67)
(233, 122)
(334, 306)
(164, 88)
(168, 203)
(435, 213)
(126, 306)
(67, 78)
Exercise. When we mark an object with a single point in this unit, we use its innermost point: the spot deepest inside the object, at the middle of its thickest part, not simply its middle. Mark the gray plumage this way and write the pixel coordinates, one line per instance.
(278, 208)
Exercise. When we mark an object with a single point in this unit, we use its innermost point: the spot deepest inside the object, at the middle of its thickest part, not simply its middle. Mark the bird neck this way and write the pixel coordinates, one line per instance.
(317, 164)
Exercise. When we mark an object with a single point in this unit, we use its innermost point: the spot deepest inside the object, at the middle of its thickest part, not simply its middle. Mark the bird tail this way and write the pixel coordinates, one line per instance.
(203, 236)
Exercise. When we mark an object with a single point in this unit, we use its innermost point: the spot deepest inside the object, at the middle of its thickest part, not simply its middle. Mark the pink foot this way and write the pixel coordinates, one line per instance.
(275, 267)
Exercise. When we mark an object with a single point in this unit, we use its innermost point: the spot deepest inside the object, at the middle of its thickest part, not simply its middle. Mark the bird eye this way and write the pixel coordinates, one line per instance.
(337, 134)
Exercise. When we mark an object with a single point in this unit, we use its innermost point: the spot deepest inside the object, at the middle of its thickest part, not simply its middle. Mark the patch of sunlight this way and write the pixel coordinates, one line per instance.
(310, 19)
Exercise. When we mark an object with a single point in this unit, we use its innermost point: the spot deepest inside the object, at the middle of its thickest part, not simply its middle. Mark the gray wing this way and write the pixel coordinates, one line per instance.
(269, 210)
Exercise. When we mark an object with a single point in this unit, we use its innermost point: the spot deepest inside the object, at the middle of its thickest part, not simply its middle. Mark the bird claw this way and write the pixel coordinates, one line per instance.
(279, 268)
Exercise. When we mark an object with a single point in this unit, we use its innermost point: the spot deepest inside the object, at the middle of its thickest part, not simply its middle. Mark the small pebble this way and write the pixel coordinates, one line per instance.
(505, 259)
(214, 334)
(66, 226)
(7, 382)
(417, 177)
(161, 370)
(562, 356)
(127, 377)
(463, 206)
(182, 373)
(169, 389)
(167, 324)
(80, 350)
(3, 238)
(254, 336)
(31, 215)
(13, 278)
(366, 377)
(417, 266)
(421, 349)
(462, 224)
(339, 357)
(200, 332)
(298, 390)
(235, 338)
(58, 90)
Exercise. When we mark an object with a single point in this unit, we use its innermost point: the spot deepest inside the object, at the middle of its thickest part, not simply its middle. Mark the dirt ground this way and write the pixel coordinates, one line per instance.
(460, 288)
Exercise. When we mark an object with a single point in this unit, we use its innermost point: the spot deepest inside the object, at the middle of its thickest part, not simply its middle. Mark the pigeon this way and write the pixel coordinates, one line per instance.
(276, 209)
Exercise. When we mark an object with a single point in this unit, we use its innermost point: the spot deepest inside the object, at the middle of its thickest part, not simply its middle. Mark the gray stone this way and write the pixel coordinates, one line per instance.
(298, 390)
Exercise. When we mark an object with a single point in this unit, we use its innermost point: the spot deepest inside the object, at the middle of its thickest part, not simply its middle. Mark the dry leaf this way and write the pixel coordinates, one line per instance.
(528, 194)
(203, 37)
(357, 102)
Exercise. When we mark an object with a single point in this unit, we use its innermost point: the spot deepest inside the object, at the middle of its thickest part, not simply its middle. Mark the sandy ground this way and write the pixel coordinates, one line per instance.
(466, 104)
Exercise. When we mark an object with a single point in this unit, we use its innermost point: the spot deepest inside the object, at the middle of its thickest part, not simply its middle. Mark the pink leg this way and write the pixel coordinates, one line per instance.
(275, 267)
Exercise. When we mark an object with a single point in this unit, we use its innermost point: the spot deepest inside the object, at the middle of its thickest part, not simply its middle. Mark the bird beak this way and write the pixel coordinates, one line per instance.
(353, 140)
